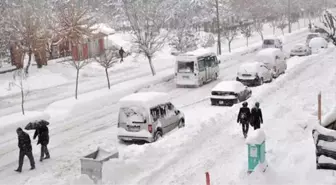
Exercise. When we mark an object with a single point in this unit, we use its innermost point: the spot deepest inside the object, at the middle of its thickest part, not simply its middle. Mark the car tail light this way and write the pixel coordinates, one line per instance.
(150, 128)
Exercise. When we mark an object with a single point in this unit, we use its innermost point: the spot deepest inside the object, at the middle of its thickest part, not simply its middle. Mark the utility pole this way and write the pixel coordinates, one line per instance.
(289, 17)
(219, 48)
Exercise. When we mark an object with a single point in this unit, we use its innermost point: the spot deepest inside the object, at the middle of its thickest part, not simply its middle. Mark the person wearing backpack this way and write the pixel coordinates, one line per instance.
(244, 117)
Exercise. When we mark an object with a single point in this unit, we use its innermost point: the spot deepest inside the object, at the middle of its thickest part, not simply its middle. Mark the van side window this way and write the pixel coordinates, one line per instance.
(201, 64)
(155, 113)
(162, 111)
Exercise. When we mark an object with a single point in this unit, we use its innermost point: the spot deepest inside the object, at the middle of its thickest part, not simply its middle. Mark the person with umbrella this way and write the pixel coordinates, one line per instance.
(42, 132)
(25, 149)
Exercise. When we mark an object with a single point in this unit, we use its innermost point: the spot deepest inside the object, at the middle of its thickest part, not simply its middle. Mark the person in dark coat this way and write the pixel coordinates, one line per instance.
(121, 53)
(244, 118)
(256, 116)
(25, 149)
(43, 138)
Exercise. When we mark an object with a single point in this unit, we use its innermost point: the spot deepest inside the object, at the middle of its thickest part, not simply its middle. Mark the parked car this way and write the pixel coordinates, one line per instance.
(147, 116)
(310, 36)
(254, 73)
(274, 59)
(228, 93)
(300, 50)
(317, 44)
(272, 43)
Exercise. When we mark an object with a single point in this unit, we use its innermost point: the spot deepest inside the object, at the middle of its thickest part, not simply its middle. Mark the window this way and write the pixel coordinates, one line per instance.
(155, 113)
(268, 42)
(185, 67)
(201, 64)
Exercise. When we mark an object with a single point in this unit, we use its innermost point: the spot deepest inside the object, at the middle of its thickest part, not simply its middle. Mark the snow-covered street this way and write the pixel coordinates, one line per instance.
(155, 92)
(90, 125)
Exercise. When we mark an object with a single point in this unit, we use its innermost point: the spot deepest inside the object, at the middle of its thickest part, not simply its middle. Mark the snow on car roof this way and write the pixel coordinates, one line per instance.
(145, 99)
(252, 65)
(317, 41)
(229, 86)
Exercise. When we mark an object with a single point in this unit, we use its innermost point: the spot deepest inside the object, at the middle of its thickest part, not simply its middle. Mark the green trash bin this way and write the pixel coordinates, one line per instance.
(256, 150)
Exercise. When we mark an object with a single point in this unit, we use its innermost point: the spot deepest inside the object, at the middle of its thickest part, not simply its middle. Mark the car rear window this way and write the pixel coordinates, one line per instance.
(268, 42)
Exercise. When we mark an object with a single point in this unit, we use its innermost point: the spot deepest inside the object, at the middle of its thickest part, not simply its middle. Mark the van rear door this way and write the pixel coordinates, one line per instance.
(133, 119)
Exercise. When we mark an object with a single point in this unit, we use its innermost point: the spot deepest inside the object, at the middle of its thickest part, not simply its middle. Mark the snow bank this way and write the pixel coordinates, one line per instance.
(329, 118)
(11, 122)
(82, 180)
(324, 159)
(256, 137)
(40, 79)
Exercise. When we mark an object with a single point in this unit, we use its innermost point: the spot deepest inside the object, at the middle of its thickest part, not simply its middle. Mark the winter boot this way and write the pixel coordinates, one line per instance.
(32, 168)
(18, 170)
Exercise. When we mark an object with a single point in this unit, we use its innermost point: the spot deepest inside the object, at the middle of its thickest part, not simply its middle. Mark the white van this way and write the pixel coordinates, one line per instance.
(195, 70)
(147, 116)
(274, 59)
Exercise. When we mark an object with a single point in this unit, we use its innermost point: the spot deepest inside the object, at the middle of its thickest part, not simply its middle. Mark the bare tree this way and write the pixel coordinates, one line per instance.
(246, 30)
(259, 27)
(230, 33)
(78, 65)
(148, 20)
(107, 59)
(282, 24)
(19, 78)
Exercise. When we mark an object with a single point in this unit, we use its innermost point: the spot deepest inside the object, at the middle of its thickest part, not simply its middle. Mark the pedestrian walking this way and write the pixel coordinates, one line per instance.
(121, 53)
(256, 116)
(25, 149)
(43, 138)
(244, 118)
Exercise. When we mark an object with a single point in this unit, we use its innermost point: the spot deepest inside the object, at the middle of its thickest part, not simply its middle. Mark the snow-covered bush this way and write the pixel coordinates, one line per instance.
(205, 39)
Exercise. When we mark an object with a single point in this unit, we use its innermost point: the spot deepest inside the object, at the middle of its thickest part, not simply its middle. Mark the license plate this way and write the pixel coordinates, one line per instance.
(221, 102)
(133, 128)
(246, 75)
(187, 77)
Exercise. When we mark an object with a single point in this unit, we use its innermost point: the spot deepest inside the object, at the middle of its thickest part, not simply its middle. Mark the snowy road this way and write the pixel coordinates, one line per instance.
(70, 139)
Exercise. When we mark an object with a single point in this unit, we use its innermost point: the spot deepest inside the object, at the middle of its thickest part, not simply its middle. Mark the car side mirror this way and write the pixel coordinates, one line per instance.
(177, 112)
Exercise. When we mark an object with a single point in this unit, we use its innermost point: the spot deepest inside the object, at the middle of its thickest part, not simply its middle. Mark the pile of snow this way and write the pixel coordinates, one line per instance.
(329, 118)
(82, 180)
(11, 122)
(256, 137)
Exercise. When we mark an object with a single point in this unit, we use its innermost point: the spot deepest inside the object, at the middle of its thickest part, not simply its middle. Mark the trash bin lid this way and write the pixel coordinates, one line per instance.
(256, 137)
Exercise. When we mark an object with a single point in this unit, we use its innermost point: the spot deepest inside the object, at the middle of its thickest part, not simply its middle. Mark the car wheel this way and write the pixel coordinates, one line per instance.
(261, 81)
(181, 123)
(157, 136)
(271, 79)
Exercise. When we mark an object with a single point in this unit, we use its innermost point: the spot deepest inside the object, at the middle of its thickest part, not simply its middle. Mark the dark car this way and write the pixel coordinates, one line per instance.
(228, 93)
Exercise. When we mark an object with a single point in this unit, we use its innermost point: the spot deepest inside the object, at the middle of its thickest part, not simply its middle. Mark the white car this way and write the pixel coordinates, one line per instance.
(254, 73)
(300, 50)
(228, 93)
(318, 43)
(274, 59)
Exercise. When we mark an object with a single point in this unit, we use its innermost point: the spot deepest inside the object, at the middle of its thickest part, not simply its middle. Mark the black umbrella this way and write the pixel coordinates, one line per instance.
(36, 124)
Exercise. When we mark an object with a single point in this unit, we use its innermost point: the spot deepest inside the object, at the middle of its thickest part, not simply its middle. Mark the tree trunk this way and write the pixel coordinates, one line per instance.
(108, 79)
(218, 30)
(29, 60)
(261, 35)
(151, 65)
(77, 77)
(229, 43)
(22, 101)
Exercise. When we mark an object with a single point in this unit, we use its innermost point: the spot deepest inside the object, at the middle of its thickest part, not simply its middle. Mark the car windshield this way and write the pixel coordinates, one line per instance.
(185, 67)
(269, 42)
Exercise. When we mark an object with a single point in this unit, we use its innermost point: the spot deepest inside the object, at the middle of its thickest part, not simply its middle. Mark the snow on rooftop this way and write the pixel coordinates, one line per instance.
(103, 28)
(147, 99)
(229, 86)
